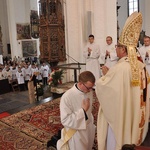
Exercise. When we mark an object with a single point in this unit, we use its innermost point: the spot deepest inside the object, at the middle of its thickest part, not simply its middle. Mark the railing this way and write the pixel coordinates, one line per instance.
(74, 66)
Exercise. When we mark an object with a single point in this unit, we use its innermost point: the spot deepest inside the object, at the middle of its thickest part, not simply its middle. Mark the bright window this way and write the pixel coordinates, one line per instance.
(133, 5)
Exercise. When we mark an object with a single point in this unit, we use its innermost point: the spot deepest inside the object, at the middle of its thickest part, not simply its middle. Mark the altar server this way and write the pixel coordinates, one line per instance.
(45, 72)
(20, 79)
(27, 75)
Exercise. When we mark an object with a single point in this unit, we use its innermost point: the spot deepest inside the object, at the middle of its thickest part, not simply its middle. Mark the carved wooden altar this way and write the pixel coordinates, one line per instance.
(52, 34)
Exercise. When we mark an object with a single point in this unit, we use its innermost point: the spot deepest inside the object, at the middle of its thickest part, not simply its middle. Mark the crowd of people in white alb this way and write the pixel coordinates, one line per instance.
(22, 71)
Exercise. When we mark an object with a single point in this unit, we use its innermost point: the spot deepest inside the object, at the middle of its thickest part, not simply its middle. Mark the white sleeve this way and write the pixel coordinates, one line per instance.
(69, 118)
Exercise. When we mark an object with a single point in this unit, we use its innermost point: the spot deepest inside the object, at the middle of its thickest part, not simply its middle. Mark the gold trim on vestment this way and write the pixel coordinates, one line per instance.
(67, 136)
(148, 77)
(142, 110)
(132, 55)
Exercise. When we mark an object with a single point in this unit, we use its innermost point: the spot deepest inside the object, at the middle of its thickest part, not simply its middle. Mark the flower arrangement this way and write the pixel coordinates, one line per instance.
(55, 77)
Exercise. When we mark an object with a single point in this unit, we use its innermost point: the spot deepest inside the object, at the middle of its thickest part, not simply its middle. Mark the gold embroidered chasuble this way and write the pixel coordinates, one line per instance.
(122, 106)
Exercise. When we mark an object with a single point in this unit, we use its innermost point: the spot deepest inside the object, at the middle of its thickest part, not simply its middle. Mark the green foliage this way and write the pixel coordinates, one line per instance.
(55, 77)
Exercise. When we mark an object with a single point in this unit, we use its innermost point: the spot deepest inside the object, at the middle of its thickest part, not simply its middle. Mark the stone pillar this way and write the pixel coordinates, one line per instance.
(104, 21)
(18, 12)
(15, 50)
(95, 16)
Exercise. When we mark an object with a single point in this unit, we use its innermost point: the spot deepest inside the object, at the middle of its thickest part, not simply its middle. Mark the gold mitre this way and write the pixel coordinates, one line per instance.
(129, 37)
(131, 30)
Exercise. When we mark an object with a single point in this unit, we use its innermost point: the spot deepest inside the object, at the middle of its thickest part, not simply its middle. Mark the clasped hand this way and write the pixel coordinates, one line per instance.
(147, 54)
(107, 53)
(86, 104)
(89, 50)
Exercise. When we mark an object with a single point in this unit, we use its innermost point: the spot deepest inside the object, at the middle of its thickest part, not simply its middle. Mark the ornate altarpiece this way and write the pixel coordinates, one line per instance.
(52, 34)
(34, 21)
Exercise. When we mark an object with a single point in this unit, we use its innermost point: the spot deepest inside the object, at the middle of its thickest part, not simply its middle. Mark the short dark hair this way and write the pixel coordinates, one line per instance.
(146, 37)
(91, 35)
(86, 76)
(109, 37)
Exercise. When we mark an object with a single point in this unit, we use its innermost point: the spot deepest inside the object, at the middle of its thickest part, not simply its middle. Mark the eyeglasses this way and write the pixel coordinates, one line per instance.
(88, 88)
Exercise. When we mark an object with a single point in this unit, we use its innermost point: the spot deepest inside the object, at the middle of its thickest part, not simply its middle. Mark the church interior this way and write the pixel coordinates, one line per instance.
(54, 32)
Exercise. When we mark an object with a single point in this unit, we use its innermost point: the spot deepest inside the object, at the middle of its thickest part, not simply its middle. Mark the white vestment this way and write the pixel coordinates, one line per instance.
(39, 76)
(73, 117)
(111, 60)
(33, 70)
(121, 107)
(8, 74)
(14, 70)
(45, 70)
(27, 74)
(20, 77)
(145, 59)
(92, 62)
(1, 59)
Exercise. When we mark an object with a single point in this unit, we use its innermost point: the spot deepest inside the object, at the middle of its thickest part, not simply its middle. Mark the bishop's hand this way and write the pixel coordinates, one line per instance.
(104, 69)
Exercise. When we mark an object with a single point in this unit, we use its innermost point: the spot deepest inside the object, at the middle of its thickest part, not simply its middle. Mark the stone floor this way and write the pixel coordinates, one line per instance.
(23, 97)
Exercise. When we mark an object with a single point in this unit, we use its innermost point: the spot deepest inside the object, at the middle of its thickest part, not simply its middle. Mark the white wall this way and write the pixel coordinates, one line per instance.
(74, 16)
(17, 14)
(105, 22)
(73, 29)
(84, 17)
(76, 19)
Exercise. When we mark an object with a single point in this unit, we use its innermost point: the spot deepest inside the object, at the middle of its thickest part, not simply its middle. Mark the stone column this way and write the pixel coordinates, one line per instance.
(18, 12)
(15, 51)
